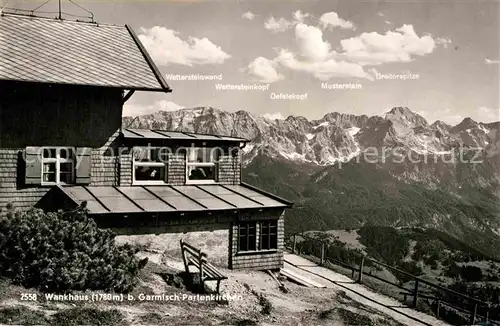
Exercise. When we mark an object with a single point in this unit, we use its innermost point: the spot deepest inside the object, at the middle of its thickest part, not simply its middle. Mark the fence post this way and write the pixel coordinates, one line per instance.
(415, 294)
(202, 285)
(322, 254)
(361, 265)
(487, 313)
(184, 259)
(437, 309)
(474, 313)
(294, 243)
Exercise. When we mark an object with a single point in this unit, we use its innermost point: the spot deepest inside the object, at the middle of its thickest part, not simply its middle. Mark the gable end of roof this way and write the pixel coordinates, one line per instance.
(149, 60)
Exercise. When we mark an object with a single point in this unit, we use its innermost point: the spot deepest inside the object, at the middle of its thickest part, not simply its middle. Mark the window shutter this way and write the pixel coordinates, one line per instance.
(33, 170)
(83, 166)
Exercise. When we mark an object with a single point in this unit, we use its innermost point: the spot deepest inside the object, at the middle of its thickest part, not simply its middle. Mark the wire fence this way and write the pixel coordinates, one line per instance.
(446, 304)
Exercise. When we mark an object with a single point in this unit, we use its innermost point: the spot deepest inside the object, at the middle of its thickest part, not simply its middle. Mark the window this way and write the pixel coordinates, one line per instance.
(48, 166)
(148, 165)
(58, 166)
(269, 235)
(201, 165)
(247, 236)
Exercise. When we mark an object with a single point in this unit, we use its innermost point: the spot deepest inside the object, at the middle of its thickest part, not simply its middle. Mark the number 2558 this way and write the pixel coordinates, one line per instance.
(28, 297)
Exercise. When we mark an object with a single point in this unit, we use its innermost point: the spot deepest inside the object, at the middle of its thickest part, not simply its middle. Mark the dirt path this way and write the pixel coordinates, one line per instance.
(359, 293)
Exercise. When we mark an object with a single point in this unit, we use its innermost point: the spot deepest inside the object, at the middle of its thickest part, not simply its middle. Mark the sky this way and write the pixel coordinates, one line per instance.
(298, 52)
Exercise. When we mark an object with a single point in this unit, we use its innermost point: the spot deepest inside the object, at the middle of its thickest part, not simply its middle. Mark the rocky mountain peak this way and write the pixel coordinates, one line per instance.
(438, 124)
(466, 124)
(336, 136)
(405, 117)
(344, 120)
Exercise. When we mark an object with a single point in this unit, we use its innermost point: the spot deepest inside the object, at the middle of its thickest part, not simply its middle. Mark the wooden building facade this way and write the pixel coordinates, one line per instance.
(61, 145)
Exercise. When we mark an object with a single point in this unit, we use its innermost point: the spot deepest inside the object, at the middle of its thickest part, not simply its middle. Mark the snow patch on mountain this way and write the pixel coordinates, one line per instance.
(294, 156)
(353, 131)
(337, 137)
(248, 148)
(323, 124)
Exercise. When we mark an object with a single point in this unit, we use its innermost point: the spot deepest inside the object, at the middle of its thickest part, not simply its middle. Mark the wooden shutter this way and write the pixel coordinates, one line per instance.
(83, 165)
(33, 167)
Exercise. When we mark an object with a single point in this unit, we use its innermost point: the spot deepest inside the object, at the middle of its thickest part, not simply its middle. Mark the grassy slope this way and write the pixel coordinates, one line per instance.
(262, 303)
(428, 253)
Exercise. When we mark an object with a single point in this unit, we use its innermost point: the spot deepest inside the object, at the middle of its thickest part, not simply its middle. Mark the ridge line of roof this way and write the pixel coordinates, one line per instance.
(53, 19)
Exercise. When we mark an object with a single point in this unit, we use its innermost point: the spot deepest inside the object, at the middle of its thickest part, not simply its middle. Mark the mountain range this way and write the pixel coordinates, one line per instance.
(336, 136)
(346, 171)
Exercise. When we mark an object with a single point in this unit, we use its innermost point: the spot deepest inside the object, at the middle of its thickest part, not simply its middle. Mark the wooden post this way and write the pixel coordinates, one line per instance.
(488, 313)
(183, 253)
(294, 243)
(200, 257)
(361, 265)
(322, 254)
(474, 314)
(437, 309)
(415, 294)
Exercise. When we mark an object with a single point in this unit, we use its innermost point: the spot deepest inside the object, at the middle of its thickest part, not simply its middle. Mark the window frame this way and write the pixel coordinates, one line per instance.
(213, 163)
(271, 245)
(259, 237)
(149, 163)
(57, 161)
(247, 224)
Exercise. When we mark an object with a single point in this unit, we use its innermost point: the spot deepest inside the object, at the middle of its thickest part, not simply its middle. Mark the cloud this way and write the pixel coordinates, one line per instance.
(380, 14)
(281, 25)
(166, 47)
(248, 15)
(314, 57)
(162, 105)
(298, 16)
(331, 19)
(388, 22)
(491, 62)
(310, 42)
(278, 25)
(400, 45)
(443, 41)
(322, 70)
(486, 114)
(264, 70)
(273, 116)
